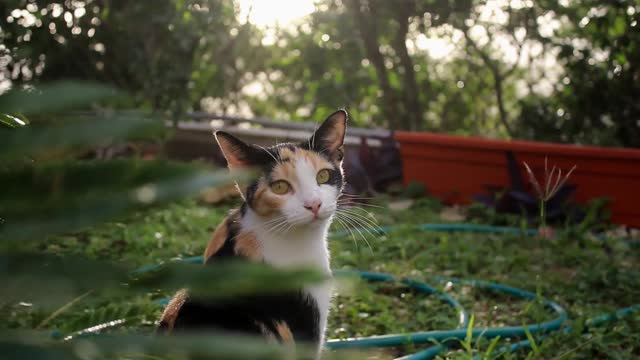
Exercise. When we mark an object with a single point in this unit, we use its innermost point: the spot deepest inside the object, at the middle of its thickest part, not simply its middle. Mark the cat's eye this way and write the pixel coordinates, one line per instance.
(280, 187)
(323, 176)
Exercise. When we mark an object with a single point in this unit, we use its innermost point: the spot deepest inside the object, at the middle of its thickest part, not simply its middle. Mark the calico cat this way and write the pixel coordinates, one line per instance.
(283, 222)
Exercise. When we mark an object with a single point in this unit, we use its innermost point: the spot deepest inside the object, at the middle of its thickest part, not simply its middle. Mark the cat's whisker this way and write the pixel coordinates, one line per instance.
(291, 222)
(291, 225)
(272, 223)
(365, 223)
(356, 228)
(356, 196)
(269, 226)
(356, 208)
(371, 228)
(267, 151)
(275, 228)
(354, 200)
(342, 223)
(346, 226)
(284, 221)
(274, 219)
(312, 139)
(349, 198)
(349, 202)
(280, 229)
(369, 218)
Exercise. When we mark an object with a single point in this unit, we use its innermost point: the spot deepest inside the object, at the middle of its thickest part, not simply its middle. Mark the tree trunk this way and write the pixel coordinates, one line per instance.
(497, 81)
(369, 34)
(413, 108)
(497, 84)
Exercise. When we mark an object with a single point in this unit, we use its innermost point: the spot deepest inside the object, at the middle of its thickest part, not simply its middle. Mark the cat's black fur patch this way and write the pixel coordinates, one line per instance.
(227, 250)
(250, 193)
(320, 141)
(244, 314)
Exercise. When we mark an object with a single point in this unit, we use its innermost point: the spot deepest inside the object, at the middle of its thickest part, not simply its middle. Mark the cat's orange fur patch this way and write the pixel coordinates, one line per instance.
(264, 202)
(217, 240)
(247, 245)
(170, 314)
(286, 169)
(284, 332)
(318, 162)
(286, 154)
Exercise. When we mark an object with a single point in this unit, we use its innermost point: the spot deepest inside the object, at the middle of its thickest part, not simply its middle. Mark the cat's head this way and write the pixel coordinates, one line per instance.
(299, 183)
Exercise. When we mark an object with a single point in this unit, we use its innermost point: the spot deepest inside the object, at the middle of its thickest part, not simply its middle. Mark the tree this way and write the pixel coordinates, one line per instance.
(598, 100)
(365, 18)
(164, 53)
(376, 32)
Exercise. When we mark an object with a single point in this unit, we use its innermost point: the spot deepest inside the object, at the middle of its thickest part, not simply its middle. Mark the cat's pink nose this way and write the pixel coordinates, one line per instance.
(313, 206)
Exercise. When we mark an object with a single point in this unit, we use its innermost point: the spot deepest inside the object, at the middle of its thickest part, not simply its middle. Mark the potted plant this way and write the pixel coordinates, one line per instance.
(455, 168)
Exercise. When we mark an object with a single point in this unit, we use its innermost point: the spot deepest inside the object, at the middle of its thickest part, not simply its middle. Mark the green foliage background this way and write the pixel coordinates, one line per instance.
(545, 70)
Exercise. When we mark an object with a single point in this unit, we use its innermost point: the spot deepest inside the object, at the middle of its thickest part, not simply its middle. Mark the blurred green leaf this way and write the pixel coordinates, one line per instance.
(13, 121)
(225, 279)
(204, 345)
(193, 346)
(618, 27)
(50, 280)
(12, 350)
(52, 97)
(81, 131)
(61, 197)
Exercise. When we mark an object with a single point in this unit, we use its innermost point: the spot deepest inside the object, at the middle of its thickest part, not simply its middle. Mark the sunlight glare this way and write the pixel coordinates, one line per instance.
(263, 13)
(438, 48)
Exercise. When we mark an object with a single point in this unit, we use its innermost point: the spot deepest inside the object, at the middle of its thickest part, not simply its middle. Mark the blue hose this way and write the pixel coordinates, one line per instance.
(443, 338)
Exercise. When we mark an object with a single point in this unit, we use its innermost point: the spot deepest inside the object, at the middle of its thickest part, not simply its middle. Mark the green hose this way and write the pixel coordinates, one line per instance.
(444, 338)
(456, 227)
(448, 336)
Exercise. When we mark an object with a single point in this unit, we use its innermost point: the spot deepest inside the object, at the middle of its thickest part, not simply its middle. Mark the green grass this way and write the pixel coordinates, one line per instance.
(584, 275)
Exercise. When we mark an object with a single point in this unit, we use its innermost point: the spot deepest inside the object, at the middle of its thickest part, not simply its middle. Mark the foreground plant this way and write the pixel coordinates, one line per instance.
(48, 191)
(553, 181)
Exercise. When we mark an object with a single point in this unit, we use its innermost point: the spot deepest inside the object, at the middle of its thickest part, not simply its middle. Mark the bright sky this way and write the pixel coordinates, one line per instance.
(265, 13)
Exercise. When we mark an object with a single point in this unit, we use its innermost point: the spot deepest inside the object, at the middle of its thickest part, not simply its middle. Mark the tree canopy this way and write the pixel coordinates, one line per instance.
(563, 71)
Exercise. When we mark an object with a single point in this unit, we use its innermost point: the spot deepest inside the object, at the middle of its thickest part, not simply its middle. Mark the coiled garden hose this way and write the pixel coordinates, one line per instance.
(443, 338)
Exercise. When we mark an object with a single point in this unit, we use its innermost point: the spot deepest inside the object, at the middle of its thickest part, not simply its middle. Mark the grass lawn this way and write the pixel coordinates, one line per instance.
(585, 275)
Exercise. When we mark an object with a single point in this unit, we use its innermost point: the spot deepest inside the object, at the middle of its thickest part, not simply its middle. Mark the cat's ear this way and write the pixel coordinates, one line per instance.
(329, 138)
(237, 153)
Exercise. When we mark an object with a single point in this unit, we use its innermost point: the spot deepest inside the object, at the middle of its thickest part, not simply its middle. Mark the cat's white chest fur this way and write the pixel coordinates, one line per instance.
(298, 248)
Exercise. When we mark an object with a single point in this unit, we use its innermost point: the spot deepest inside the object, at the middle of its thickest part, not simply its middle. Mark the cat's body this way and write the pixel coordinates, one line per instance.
(284, 223)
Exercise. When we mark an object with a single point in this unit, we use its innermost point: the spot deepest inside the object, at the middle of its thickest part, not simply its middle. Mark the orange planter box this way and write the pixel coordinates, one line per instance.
(454, 168)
